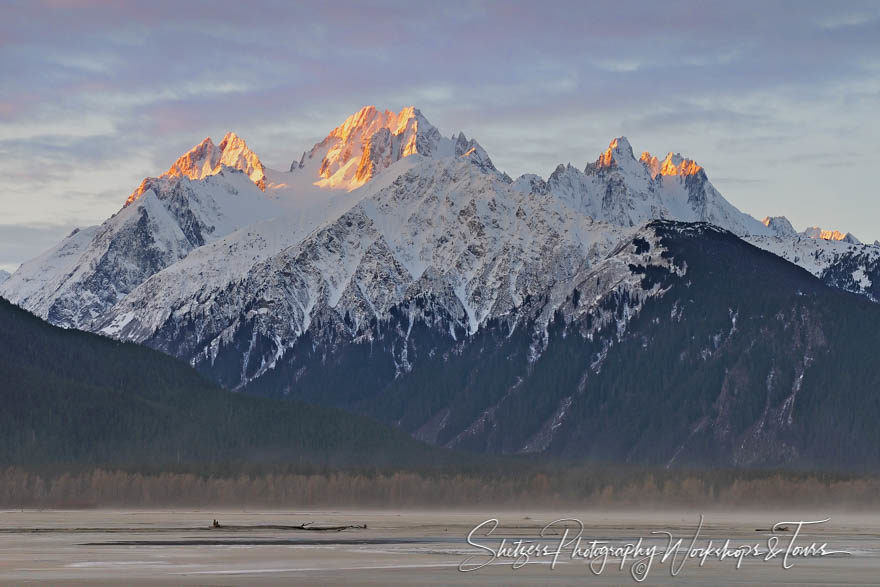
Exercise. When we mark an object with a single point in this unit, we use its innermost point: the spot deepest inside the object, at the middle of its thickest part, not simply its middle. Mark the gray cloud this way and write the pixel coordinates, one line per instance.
(19, 241)
(778, 98)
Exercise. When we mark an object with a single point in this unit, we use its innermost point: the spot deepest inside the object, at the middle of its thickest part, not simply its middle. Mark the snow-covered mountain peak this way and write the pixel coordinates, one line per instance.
(371, 140)
(618, 155)
(816, 232)
(206, 159)
(235, 153)
(369, 120)
(623, 190)
(651, 163)
(530, 183)
(674, 164)
(618, 150)
(779, 225)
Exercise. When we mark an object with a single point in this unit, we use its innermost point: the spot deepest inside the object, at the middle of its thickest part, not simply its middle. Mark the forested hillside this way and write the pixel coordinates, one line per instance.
(70, 396)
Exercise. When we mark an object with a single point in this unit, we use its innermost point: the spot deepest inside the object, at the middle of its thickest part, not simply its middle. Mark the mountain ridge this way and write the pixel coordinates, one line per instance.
(390, 252)
(617, 189)
(206, 159)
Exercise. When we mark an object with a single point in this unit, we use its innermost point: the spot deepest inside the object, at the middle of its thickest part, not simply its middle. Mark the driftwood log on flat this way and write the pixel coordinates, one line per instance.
(310, 526)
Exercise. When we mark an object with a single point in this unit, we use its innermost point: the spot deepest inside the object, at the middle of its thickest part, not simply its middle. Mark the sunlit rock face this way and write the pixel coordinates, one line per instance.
(370, 141)
(830, 235)
(206, 159)
(673, 164)
(619, 155)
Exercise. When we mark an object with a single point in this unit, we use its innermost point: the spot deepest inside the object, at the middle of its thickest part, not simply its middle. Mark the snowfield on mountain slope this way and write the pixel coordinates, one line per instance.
(73, 283)
(839, 263)
(220, 241)
(813, 254)
(621, 190)
(36, 279)
(444, 228)
(304, 209)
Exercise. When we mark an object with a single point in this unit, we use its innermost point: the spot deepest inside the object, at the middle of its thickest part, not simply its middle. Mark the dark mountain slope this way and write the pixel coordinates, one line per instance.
(70, 396)
(746, 360)
(743, 360)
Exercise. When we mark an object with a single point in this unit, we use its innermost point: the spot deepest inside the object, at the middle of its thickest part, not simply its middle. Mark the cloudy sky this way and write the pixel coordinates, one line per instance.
(777, 100)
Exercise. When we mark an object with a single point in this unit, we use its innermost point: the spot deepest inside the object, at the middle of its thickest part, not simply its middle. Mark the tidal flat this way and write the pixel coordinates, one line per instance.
(415, 547)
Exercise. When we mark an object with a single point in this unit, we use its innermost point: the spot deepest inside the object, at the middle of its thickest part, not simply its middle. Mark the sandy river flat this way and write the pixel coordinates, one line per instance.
(400, 547)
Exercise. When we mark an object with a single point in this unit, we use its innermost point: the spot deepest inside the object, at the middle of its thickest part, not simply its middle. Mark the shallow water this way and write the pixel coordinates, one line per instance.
(400, 547)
